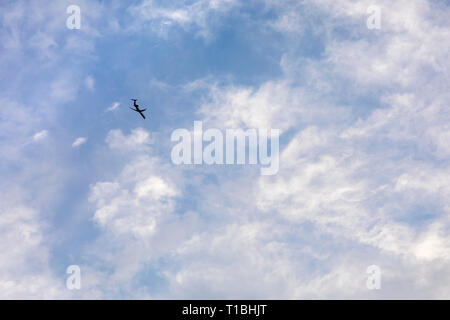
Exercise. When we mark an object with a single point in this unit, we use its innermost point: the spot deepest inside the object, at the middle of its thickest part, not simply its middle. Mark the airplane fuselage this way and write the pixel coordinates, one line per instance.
(136, 108)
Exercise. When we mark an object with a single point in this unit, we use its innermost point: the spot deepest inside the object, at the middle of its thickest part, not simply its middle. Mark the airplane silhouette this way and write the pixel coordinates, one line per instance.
(136, 106)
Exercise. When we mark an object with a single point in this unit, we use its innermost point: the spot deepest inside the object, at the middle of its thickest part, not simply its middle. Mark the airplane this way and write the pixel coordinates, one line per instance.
(136, 106)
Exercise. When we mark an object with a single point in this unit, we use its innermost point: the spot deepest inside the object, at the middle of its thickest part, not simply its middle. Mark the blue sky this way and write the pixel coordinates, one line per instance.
(364, 153)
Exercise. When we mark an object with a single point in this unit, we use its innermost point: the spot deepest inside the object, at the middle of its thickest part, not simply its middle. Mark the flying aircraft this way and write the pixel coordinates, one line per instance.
(136, 108)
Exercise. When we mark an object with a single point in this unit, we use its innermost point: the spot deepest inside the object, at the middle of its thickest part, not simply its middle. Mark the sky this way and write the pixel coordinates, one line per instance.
(364, 170)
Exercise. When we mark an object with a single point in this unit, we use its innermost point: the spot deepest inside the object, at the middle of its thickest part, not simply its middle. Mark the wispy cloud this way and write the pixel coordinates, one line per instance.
(113, 107)
(41, 135)
(79, 141)
(199, 15)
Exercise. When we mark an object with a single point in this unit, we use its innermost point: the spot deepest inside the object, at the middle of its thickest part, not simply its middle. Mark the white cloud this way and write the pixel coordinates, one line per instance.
(78, 142)
(275, 104)
(138, 139)
(136, 210)
(41, 135)
(24, 257)
(113, 107)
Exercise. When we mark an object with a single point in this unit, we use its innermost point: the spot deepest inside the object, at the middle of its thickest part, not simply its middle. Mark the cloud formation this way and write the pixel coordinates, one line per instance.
(364, 163)
(78, 142)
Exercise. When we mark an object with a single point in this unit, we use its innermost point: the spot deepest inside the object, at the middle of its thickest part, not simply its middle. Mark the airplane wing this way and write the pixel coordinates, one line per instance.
(143, 109)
